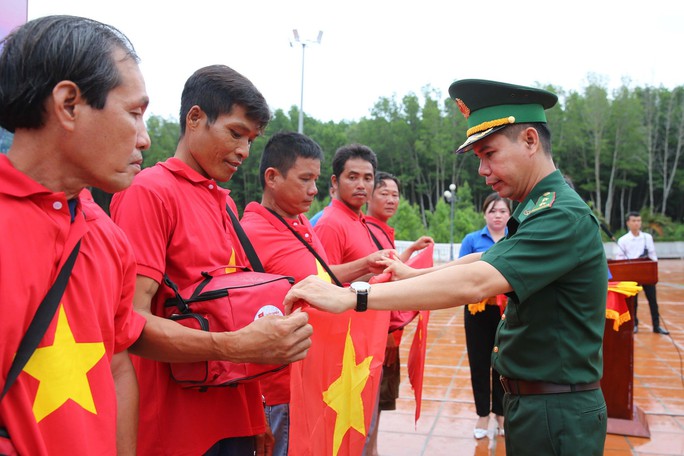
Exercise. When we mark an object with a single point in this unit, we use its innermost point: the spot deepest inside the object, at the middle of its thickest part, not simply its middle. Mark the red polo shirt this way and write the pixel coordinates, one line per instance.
(64, 401)
(177, 223)
(282, 253)
(344, 234)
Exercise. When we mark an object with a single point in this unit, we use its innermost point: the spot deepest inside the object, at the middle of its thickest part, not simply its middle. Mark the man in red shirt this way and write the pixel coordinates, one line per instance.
(342, 227)
(176, 219)
(73, 95)
(278, 228)
(382, 205)
(283, 239)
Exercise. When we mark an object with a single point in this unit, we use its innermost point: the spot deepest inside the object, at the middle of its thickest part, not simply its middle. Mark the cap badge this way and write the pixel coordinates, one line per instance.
(463, 108)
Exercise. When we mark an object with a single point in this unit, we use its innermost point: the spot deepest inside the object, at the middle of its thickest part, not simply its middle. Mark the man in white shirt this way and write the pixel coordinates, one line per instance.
(636, 244)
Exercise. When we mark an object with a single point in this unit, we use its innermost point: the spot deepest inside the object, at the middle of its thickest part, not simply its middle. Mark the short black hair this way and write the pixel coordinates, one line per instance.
(283, 149)
(512, 131)
(382, 176)
(216, 89)
(344, 153)
(39, 54)
(632, 214)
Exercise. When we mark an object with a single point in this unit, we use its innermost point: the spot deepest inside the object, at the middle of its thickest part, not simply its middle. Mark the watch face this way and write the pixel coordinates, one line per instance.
(360, 286)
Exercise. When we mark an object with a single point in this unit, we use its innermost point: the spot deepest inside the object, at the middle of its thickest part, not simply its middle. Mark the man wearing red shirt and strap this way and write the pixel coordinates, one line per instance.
(175, 217)
(72, 93)
(290, 165)
(382, 205)
(342, 228)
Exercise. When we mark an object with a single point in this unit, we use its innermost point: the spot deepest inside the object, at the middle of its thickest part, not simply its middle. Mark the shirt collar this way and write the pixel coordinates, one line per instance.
(345, 209)
(272, 219)
(182, 169)
(17, 184)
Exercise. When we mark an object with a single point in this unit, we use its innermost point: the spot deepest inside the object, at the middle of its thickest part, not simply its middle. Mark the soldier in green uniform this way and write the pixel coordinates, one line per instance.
(551, 265)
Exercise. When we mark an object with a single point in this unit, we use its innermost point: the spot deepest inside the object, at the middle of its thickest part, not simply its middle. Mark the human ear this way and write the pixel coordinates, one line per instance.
(63, 102)
(270, 175)
(530, 136)
(194, 116)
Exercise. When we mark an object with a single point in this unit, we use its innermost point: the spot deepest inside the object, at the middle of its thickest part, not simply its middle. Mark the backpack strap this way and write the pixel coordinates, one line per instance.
(308, 246)
(244, 241)
(377, 243)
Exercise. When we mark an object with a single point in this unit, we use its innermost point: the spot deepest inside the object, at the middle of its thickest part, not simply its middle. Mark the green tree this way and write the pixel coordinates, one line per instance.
(407, 222)
(439, 222)
(164, 134)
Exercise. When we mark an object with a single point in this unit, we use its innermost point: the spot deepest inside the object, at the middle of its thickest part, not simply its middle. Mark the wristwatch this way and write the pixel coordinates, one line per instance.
(361, 289)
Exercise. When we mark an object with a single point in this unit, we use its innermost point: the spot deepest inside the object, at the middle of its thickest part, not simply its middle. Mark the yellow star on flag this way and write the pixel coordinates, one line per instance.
(231, 262)
(62, 370)
(344, 394)
(322, 273)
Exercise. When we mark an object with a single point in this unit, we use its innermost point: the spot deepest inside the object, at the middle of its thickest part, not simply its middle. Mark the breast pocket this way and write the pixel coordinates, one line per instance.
(512, 313)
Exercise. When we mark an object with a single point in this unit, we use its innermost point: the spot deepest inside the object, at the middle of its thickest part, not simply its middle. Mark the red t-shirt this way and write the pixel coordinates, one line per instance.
(177, 223)
(64, 401)
(344, 234)
(282, 253)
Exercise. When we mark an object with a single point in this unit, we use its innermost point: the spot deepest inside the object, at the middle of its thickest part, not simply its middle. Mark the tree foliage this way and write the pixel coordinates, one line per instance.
(622, 149)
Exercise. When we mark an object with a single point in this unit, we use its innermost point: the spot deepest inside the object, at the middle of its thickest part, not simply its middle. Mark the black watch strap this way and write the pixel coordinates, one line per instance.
(361, 301)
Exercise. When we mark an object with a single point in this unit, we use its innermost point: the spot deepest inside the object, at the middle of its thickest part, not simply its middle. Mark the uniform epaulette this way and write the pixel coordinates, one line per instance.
(544, 202)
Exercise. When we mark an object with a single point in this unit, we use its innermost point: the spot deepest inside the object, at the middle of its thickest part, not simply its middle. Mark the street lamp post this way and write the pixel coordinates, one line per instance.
(300, 128)
(450, 196)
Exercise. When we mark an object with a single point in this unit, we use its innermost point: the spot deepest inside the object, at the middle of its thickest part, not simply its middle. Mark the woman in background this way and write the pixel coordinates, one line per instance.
(482, 319)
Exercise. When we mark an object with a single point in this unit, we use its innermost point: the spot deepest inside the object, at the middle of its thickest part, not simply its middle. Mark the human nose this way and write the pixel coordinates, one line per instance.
(242, 149)
(483, 169)
(313, 189)
(144, 142)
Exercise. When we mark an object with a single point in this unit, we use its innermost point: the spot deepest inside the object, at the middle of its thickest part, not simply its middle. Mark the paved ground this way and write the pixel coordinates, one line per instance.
(448, 413)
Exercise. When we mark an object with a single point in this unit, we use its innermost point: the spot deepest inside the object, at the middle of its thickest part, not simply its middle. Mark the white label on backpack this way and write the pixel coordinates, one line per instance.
(267, 310)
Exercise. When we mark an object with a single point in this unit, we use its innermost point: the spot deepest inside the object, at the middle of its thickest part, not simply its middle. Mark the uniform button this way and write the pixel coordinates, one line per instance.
(306, 235)
(211, 186)
(57, 205)
(295, 224)
(496, 349)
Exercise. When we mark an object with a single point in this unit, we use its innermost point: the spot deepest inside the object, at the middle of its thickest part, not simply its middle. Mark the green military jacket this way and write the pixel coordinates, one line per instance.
(553, 258)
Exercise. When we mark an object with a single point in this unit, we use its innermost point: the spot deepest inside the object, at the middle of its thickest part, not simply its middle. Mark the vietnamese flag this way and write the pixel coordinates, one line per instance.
(416, 359)
(616, 305)
(333, 390)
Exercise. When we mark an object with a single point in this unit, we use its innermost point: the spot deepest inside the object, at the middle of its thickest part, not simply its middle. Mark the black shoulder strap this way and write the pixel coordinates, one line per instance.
(375, 239)
(246, 244)
(308, 246)
(383, 232)
(41, 321)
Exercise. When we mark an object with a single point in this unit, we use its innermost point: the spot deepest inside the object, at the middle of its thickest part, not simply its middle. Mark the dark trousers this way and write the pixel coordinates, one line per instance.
(650, 292)
(236, 446)
(568, 424)
(480, 330)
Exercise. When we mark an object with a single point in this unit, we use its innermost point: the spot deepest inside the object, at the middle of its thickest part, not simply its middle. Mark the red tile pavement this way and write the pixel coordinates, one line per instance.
(448, 413)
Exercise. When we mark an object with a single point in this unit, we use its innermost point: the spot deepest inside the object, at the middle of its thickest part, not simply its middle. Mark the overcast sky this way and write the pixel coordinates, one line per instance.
(380, 48)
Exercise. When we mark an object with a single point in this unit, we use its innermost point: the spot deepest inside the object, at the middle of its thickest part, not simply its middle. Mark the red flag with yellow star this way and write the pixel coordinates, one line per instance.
(334, 389)
(416, 359)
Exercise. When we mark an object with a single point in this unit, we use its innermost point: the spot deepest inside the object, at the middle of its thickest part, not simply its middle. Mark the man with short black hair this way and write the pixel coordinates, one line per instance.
(637, 244)
(175, 215)
(73, 95)
(342, 228)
